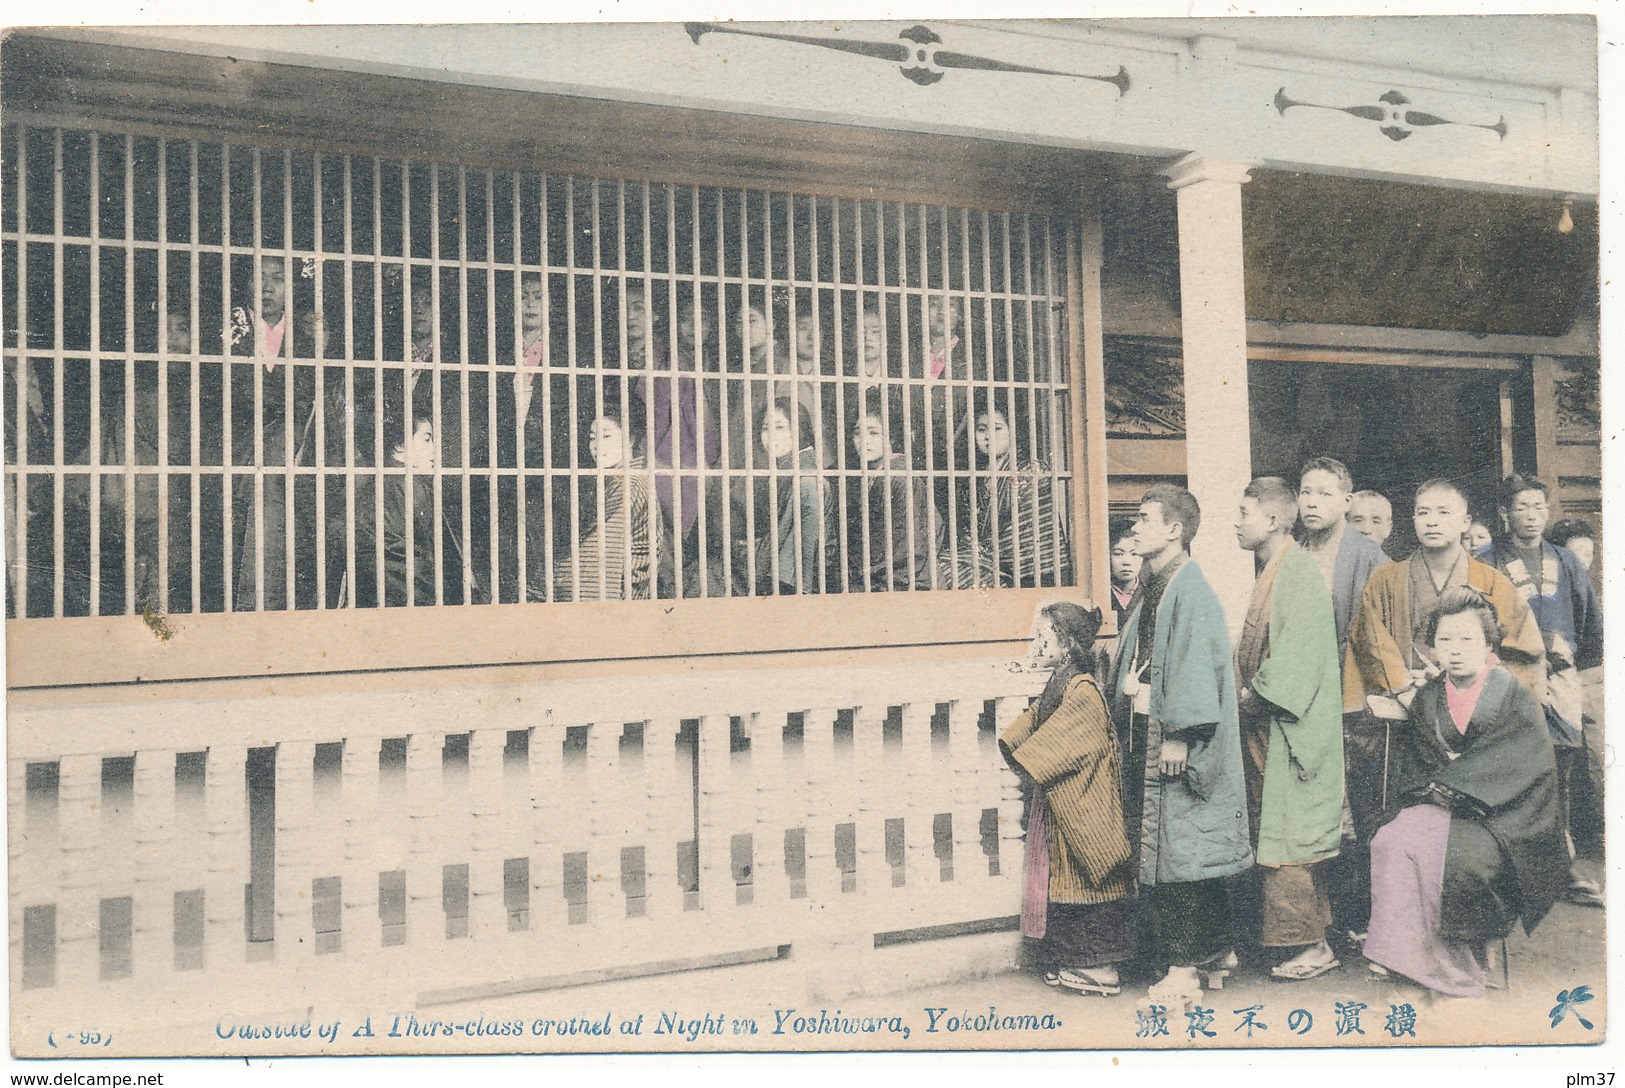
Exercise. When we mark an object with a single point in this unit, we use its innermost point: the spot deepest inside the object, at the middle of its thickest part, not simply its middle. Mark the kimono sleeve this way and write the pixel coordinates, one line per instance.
(1195, 665)
(1302, 634)
(1510, 753)
(1523, 647)
(1374, 658)
(1069, 740)
(1587, 613)
(1016, 733)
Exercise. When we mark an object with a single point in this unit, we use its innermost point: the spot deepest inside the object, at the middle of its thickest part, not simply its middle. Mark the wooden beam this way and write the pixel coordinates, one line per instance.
(1543, 373)
(283, 105)
(1381, 358)
(123, 650)
(1088, 352)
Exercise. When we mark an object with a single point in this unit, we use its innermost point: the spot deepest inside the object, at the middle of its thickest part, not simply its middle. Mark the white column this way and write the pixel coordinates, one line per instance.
(1213, 317)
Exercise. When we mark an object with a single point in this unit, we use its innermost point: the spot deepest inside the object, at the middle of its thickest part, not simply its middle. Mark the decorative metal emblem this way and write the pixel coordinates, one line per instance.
(917, 54)
(1400, 122)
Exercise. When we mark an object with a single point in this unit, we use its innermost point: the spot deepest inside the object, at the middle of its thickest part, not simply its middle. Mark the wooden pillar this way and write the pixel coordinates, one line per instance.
(358, 885)
(668, 791)
(1213, 322)
(1544, 372)
(425, 917)
(226, 802)
(1087, 342)
(159, 872)
(78, 911)
(295, 813)
(487, 917)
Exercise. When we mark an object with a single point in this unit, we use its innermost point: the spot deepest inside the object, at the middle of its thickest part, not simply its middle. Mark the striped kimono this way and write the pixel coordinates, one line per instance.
(1079, 868)
(614, 559)
(1017, 538)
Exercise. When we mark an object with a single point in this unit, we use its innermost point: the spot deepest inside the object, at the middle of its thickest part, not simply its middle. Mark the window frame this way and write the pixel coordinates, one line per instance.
(124, 90)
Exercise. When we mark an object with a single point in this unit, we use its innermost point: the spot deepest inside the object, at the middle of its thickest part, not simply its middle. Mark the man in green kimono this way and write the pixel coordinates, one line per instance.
(1289, 681)
(1173, 698)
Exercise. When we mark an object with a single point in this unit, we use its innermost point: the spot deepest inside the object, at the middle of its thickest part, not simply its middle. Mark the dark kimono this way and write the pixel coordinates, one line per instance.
(889, 528)
(295, 412)
(1503, 859)
(391, 524)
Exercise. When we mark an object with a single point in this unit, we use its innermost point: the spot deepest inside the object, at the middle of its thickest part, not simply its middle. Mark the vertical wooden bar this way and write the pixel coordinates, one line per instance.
(965, 793)
(81, 889)
(603, 789)
(487, 918)
(159, 871)
(1504, 392)
(667, 819)
(1086, 355)
(869, 800)
(820, 813)
(546, 819)
(425, 920)
(295, 811)
(920, 789)
(17, 515)
(768, 797)
(93, 485)
(361, 863)
(226, 803)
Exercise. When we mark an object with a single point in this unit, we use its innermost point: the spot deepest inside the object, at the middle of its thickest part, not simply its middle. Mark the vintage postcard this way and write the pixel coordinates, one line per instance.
(806, 535)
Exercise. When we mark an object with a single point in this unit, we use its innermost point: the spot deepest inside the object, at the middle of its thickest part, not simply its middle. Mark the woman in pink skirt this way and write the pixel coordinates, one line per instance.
(1471, 844)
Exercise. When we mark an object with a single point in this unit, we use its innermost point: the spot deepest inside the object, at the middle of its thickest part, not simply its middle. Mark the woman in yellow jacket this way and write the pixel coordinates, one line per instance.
(1078, 870)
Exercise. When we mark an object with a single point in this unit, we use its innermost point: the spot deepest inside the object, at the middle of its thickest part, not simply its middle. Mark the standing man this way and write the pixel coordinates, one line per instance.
(1346, 557)
(1576, 535)
(1174, 698)
(1388, 657)
(1567, 610)
(1372, 516)
(1290, 683)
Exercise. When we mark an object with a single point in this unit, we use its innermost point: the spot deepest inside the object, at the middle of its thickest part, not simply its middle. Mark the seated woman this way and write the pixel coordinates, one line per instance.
(1009, 533)
(614, 557)
(1079, 867)
(792, 507)
(1472, 842)
(889, 521)
(405, 526)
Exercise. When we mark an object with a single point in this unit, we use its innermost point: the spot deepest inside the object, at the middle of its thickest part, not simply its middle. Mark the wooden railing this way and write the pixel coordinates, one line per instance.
(175, 858)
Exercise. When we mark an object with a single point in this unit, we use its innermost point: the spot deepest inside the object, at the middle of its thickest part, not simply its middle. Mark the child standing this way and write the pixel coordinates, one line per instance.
(1078, 870)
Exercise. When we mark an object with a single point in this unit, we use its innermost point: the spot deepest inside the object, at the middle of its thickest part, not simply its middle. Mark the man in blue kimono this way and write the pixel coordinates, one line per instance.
(1566, 607)
(1174, 699)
